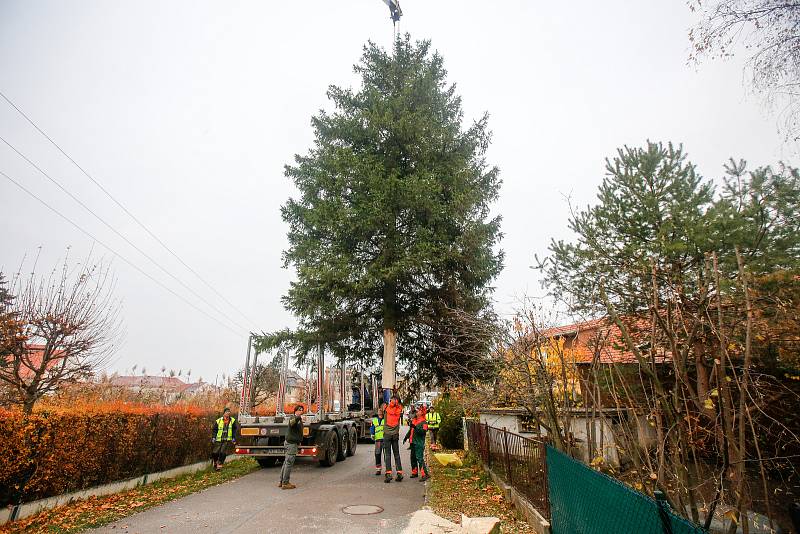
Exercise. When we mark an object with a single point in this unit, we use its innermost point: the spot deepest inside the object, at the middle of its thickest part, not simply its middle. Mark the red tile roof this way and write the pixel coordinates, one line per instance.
(604, 339)
(34, 354)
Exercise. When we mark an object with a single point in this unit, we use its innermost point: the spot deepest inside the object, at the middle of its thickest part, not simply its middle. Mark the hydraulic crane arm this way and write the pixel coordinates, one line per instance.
(394, 9)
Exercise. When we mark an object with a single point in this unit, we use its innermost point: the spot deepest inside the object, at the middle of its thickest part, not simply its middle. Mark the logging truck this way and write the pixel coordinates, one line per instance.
(345, 405)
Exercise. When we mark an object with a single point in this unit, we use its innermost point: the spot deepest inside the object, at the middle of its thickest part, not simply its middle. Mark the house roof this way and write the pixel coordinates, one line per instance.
(602, 338)
(573, 328)
(34, 353)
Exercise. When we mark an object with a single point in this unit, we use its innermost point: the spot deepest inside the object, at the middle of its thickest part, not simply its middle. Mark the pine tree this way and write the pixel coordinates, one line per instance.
(656, 214)
(392, 219)
(651, 207)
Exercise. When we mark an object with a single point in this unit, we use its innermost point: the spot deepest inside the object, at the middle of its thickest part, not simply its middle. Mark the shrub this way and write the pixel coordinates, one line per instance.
(53, 452)
(451, 432)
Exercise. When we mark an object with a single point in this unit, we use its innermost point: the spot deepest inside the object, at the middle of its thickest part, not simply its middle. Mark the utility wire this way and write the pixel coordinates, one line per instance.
(117, 232)
(131, 215)
(115, 253)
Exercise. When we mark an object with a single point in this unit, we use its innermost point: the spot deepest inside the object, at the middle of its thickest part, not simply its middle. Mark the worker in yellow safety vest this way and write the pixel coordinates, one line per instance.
(223, 436)
(434, 420)
(376, 430)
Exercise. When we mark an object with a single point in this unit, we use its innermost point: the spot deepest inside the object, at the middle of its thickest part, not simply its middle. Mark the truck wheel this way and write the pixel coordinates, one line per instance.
(344, 444)
(331, 450)
(267, 462)
(351, 449)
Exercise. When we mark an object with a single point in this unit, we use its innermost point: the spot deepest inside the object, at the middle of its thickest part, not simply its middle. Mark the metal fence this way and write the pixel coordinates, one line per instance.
(518, 460)
(573, 497)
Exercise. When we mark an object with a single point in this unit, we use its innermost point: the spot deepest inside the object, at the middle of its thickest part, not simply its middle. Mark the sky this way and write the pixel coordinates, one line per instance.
(187, 111)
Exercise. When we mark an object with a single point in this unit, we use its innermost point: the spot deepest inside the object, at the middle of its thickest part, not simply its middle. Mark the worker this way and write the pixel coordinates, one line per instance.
(391, 438)
(376, 431)
(419, 429)
(434, 420)
(223, 435)
(294, 436)
(409, 437)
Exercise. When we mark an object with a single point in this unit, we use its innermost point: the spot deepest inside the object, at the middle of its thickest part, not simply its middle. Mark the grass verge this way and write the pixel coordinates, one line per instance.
(468, 490)
(97, 511)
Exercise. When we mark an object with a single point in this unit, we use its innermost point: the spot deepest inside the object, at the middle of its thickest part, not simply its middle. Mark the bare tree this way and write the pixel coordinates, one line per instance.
(769, 33)
(265, 384)
(70, 325)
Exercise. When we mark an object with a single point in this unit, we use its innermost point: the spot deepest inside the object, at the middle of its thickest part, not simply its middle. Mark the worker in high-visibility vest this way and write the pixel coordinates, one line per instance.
(223, 436)
(376, 431)
(434, 420)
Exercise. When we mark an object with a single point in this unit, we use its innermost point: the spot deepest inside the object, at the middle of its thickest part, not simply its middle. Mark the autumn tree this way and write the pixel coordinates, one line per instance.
(70, 327)
(663, 247)
(767, 32)
(392, 217)
(11, 335)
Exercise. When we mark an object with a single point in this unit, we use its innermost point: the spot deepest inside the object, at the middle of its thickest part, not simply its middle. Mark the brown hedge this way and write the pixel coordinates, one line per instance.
(50, 453)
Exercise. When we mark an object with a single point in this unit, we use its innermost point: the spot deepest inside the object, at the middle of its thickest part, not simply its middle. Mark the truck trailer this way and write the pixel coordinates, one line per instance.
(329, 435)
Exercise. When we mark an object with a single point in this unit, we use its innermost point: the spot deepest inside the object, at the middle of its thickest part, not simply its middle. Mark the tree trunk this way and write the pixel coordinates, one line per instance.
(27, 406)
(389, 358)
(390, 314)
(703, 381)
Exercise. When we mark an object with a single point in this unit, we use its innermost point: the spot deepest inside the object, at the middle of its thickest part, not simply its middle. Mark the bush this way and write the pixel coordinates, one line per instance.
(451, 431)
(53, 452)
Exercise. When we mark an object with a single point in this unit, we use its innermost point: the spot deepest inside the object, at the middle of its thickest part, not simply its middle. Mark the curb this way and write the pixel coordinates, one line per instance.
(21, 511)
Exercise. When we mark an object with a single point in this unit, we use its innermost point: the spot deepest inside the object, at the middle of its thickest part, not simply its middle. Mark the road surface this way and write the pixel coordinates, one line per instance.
(255, 504)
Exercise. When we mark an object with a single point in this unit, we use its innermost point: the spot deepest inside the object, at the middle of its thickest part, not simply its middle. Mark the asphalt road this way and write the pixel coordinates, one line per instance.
(255, 504)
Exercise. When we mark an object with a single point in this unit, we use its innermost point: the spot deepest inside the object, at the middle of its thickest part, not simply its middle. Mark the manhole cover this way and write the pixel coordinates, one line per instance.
(362, 509)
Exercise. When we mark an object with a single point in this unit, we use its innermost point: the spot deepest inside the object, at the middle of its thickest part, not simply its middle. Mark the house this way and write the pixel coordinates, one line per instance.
(596, 352)
(295, 388)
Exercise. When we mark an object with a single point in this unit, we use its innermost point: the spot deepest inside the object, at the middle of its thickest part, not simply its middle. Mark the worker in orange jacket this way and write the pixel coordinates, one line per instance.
(391, 438)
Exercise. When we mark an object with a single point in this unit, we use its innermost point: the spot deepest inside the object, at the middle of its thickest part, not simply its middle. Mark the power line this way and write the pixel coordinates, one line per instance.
(115, 253)
(117, 232)
(131, 215)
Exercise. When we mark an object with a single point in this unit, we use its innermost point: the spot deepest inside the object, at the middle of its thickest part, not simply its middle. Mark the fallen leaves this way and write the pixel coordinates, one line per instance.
(470, 491)
(97, 511)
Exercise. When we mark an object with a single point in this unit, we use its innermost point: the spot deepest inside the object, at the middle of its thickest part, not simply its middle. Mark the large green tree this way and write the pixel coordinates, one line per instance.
(392, 222)
(698, 274)
(656, 216)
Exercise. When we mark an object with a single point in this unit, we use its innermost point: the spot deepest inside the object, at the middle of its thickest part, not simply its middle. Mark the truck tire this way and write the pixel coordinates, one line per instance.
(344, 444)
(331, 441)
(353, 435)
(267, 462)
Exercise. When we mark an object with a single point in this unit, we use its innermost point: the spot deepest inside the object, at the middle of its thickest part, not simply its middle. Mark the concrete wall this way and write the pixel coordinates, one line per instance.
(509, 422)
(603, 439)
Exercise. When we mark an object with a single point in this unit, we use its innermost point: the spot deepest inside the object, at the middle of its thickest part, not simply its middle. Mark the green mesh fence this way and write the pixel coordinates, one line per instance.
(583, 501)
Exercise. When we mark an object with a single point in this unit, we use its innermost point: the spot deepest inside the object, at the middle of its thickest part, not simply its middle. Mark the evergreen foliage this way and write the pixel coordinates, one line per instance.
(391, 225)
(656, 214)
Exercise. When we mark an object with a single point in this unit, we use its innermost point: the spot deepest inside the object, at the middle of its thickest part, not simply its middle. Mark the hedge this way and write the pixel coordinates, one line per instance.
(50, 453)
(451, 433)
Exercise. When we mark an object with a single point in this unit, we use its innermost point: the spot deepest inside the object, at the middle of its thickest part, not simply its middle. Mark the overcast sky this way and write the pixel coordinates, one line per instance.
(187, 111)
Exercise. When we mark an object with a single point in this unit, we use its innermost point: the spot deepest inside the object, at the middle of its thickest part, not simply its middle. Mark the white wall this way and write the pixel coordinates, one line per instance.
(509, 422)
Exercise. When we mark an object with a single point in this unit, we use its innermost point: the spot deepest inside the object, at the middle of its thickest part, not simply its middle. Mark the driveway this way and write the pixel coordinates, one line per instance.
(255, 504)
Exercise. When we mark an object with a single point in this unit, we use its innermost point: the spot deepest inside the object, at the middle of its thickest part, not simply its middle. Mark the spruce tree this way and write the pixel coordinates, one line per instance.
(391, 224)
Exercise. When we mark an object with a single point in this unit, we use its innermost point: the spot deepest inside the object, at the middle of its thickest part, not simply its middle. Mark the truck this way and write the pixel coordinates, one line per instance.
(330, 434)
